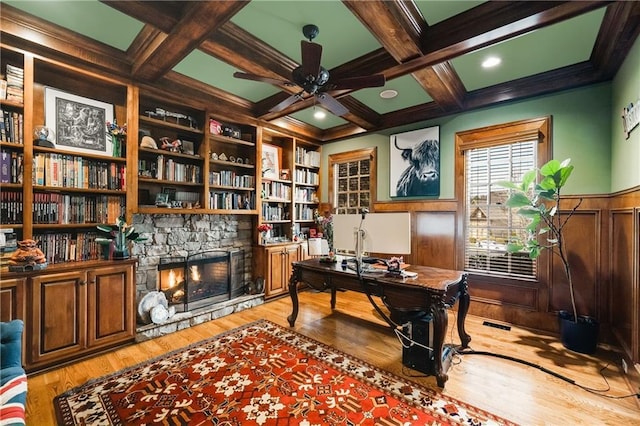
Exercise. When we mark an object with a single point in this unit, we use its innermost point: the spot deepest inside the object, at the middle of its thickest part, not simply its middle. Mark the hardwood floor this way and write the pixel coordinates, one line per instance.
(517, 392)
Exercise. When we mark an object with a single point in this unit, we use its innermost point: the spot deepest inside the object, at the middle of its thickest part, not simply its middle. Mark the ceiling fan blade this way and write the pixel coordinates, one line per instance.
(254, 77)
(332, 104)
(290, 100)
(376, 80)
(311, 56)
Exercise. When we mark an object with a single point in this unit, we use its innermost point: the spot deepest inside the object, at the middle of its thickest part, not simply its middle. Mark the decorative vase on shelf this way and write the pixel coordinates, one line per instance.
(121, 250)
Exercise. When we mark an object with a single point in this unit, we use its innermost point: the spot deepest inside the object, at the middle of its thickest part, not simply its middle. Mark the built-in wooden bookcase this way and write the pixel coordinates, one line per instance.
(64, 191)
(232, 167)
(306, 181)
(171, 173)
(12, 154)
(276, 159)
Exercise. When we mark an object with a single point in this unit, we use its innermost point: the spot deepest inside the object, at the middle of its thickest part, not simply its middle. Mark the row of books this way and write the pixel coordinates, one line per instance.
(274, 212)
(69, 247)
(231, 178)
(307, 158)
(306, 195)
(55, 208)
(169, 169)
(8, 240)
(15, 83)
(306, 177)
(11, 207)
(11, 126)
(70, 171)
(303, 212)
(231, 201)
(11, 166)
(276, 190)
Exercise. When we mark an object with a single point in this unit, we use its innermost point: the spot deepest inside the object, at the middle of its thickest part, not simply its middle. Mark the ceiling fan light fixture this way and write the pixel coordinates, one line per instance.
(388, 94)
(319, 114)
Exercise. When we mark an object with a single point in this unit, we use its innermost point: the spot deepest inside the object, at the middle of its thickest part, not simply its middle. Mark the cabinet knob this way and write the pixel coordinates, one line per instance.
(82, 282)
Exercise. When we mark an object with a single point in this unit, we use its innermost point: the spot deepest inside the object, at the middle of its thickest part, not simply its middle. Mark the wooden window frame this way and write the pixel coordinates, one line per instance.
(538, 128)
(370, 154)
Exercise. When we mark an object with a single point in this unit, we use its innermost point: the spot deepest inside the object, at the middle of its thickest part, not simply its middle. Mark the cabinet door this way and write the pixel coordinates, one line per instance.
(58, 316)
(12, 299)
(110, 305)
(292, 254)
(275, 282)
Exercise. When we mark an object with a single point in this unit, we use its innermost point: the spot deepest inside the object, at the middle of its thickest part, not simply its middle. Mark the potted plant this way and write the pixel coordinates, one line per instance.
(539, 203)
(119, 235)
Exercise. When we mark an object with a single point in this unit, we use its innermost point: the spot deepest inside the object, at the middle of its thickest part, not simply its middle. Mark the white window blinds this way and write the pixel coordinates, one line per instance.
(489, 222)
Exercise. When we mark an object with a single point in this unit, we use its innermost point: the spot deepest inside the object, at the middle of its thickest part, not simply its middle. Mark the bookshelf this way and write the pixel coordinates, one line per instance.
(170, 172)
(306, 181)
(232, 167)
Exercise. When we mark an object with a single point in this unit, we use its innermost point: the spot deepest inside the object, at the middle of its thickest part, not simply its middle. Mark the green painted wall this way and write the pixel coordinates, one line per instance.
(581, 131)
(625, 153)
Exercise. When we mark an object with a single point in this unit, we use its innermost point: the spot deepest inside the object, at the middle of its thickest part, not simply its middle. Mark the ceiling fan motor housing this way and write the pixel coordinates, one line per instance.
(310, 83)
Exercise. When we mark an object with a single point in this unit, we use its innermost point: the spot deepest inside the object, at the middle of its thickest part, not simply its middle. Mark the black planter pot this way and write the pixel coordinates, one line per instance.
(581, 336)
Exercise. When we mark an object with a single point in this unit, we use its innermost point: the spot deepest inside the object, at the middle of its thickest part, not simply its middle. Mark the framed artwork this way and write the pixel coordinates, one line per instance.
(188, 147)
(414, 169)
(78, 123)
(270, 161)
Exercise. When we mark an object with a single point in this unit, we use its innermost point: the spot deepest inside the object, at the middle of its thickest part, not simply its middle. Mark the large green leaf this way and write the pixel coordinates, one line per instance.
(550, 168)
(518, 200)
(565, 173)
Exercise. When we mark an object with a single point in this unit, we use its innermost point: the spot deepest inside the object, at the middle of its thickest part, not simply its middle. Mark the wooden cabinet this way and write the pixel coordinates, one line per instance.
(75, 311)
(273, 263)
(12, 305)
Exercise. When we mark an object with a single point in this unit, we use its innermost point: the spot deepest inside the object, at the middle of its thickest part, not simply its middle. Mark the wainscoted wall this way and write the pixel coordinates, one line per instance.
(603, 239)
(182, 235)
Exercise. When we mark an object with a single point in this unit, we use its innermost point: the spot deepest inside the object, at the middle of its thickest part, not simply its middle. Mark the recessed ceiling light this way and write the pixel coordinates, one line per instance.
(491, 62)
(388, 94)
(319, 114)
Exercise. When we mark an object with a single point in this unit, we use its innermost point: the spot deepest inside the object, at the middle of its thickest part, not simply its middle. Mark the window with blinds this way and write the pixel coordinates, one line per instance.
(489, 222)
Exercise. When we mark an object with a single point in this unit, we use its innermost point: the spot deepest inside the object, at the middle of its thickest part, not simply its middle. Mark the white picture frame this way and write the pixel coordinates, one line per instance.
(270, 161)
(78, 123)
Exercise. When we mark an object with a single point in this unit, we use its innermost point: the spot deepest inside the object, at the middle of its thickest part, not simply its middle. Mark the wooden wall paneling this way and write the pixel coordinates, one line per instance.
(582, 234)
(622, 277)
(434, 239)
(635, 304)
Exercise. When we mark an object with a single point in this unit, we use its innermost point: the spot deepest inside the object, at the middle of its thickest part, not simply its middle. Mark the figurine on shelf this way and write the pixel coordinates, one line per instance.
(171, 145)
(42, 135)
(28, 257)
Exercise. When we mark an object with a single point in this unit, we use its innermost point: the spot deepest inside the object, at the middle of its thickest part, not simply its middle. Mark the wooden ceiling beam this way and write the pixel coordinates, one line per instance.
(198, 22)
(619, 30)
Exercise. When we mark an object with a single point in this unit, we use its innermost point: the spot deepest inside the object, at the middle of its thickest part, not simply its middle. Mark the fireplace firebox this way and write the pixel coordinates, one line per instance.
(202, 279)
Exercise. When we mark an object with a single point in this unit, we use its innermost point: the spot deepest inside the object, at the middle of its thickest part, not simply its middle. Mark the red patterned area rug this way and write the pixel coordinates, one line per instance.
(260, 374)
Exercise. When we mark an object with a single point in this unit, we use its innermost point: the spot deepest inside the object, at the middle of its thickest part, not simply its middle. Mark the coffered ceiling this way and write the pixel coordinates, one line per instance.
(429, 51)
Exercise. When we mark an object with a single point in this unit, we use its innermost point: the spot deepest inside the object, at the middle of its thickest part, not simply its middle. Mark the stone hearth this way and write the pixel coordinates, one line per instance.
(183, 320)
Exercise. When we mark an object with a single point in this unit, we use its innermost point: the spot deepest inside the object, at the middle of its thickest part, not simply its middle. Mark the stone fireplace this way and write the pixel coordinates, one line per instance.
(201, 279)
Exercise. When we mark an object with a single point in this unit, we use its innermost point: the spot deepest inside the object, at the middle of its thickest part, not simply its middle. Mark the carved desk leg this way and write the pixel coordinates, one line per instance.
(293, 293)
(440, 323)
(463, 308)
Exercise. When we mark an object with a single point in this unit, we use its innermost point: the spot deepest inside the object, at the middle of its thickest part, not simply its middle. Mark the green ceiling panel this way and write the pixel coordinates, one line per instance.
(306, 116)
(214, 72)
(435, 11)
(410, 93)
(279, 24)
(90, 18)
(542, 50)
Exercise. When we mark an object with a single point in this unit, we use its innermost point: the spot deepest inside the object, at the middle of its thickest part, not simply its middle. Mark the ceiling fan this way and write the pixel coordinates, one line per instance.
(315, 79)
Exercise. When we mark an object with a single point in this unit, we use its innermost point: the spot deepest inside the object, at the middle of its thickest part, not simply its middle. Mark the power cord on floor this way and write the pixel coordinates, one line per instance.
(598, 392)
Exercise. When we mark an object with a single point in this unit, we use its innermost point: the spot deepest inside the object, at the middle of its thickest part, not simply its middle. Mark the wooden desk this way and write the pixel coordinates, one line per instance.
(432, 291)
